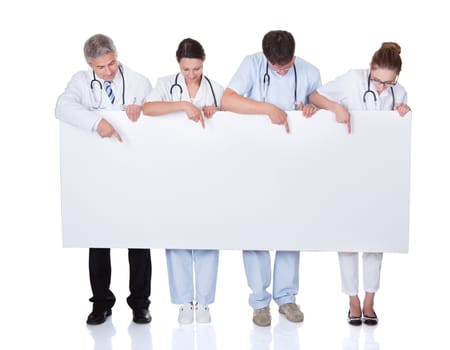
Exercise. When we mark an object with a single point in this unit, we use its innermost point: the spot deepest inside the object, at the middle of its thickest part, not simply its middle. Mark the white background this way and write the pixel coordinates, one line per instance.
(43, 298)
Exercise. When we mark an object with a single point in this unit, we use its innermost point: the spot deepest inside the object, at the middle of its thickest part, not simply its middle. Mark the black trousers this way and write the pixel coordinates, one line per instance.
(100, 277)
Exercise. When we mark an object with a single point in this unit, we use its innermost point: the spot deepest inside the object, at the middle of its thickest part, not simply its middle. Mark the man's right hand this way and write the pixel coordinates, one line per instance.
(105, 129)
(278, 116)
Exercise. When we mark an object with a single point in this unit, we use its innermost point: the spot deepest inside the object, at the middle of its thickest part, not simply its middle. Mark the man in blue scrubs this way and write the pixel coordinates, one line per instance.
(272, 82)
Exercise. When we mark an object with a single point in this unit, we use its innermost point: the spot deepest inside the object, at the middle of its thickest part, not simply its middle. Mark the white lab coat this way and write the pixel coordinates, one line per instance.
(348, 89)
(79, 104)
(204, 96)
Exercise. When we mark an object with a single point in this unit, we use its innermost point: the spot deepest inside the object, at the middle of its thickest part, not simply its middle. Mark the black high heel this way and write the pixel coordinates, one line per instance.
(354, 320)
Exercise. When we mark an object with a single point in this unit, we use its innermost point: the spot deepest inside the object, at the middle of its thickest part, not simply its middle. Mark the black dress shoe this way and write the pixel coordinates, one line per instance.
(371, 320)
(141, 316)
(98, 317)
(354, 320)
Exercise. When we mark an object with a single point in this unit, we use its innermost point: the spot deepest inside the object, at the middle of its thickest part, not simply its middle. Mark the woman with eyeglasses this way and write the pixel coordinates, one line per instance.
(375, 88)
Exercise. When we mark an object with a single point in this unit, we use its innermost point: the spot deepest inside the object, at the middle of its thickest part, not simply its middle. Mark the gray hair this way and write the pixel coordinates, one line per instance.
(98, 45)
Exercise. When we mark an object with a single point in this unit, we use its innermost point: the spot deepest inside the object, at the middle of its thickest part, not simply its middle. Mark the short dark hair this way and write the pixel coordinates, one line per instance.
(278, 47)
(190, 48)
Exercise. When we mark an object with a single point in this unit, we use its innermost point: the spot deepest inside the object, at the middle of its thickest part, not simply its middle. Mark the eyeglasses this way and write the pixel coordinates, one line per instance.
(282, 69)
(386, 84)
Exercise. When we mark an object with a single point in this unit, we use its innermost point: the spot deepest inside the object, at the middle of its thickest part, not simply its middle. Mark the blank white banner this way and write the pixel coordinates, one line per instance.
(240, 183)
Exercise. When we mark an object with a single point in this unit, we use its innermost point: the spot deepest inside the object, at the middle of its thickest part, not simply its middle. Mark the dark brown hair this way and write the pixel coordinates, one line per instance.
(190, 48)
(278, 47)
(388, 57)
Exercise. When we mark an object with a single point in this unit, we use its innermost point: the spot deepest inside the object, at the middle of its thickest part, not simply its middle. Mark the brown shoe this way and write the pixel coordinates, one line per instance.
(261, 317)
(292, 312)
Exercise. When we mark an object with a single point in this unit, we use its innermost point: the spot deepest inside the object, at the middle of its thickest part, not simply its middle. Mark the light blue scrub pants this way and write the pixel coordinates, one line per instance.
(192, 275)
(285, 277)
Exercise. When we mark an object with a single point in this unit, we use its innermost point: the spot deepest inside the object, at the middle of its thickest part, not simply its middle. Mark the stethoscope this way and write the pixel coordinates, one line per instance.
(266, 83)
(369, 91)
(178, 86)
(95, 81)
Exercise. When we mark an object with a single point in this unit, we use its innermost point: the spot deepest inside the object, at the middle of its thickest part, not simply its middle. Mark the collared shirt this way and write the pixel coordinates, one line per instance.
(248, 81)
(349, 88)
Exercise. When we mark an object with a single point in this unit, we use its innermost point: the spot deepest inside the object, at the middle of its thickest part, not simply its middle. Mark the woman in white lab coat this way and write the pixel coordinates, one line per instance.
(192, 273)
(364, 89)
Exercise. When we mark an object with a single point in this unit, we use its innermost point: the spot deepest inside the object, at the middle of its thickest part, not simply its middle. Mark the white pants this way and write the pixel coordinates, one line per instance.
(192, 275)
(348, 263)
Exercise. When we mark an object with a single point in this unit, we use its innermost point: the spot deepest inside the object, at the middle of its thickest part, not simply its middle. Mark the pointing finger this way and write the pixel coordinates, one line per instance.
(286, 126)
(117, 136)
(202, 121)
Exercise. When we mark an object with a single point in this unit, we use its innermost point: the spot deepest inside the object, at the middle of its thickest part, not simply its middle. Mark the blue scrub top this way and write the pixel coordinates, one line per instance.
(248, 82)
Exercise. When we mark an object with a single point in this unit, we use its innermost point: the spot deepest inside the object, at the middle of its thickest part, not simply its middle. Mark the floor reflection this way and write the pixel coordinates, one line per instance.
(102, 335)
(194, 337)
(352, 342)
(260, 338)
(369, 338)
(285, 336)
(141, 337)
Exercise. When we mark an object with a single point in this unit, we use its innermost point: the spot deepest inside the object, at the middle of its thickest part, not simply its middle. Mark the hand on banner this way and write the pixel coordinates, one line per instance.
(105, 129)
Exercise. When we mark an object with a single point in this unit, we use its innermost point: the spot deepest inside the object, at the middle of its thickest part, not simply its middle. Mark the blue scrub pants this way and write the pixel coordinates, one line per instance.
(192, 275)
(285, 277)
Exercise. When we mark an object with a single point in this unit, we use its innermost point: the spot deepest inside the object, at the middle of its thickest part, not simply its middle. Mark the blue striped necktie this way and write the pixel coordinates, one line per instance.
(109, 91)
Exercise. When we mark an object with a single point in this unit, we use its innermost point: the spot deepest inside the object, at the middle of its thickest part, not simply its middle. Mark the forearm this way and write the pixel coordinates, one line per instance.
(71, 112)
(324, 103)
(158, 108)
(233, 102)
(341, 112)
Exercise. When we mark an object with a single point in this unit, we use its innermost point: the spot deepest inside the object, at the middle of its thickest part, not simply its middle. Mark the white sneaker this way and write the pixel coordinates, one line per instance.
(202, 314)
(186, 315)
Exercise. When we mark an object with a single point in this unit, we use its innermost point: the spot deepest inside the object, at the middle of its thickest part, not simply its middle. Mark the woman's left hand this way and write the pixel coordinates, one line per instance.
(133, 112)
(308, 110)
(402, 109)
(209, 111)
